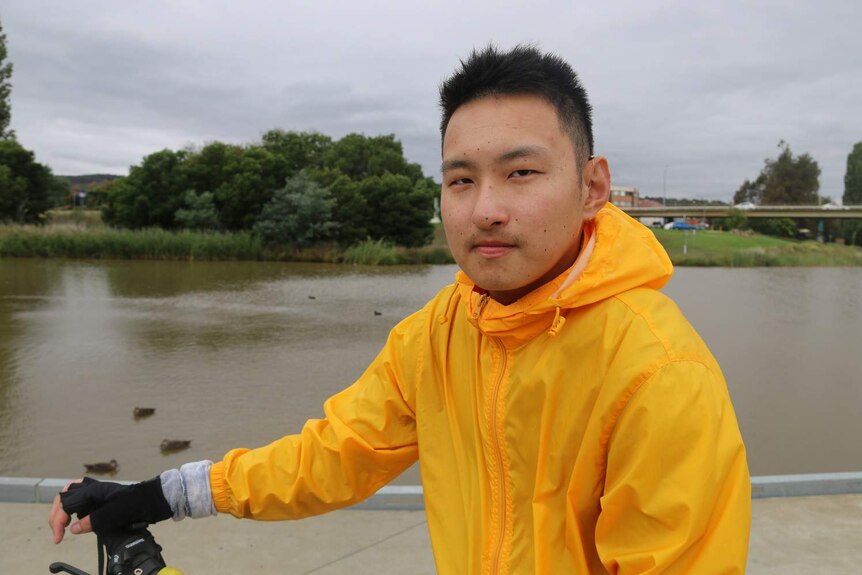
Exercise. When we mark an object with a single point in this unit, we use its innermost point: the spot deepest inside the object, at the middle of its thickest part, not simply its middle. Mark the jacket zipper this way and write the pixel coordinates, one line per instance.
(483, 299)
(498, 451)
(495, 435)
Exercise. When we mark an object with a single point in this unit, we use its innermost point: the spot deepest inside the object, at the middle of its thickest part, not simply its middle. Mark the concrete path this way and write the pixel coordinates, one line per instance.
(790, 535)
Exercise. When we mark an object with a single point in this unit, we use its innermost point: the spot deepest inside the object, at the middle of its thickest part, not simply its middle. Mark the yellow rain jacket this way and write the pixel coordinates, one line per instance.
(585, 431)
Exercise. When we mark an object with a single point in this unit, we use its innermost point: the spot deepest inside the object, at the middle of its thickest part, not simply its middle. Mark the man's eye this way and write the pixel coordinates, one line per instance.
(460, 182)
(523, 173)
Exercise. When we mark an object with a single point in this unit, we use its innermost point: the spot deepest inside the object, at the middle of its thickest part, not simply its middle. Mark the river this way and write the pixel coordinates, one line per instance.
(238, 354)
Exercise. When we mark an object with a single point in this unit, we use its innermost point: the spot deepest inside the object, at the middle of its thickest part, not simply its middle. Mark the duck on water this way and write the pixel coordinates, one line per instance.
(102, 467)
(140, 412)
(171, 445)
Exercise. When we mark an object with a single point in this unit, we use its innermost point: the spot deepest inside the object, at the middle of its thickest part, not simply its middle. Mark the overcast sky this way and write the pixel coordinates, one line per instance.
(687, 98)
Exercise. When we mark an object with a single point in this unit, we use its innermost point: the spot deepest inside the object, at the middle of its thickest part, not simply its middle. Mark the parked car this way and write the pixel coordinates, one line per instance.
(745, 206)
(681, 225)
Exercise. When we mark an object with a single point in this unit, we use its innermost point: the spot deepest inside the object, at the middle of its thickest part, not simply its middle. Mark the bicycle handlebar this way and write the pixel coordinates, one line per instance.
(129, 551)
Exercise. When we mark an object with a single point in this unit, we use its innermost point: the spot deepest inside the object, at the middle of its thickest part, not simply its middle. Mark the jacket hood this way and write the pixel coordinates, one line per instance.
(617, 254)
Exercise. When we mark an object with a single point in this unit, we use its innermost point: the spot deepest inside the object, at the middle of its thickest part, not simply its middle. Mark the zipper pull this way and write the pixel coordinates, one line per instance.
(483, 299)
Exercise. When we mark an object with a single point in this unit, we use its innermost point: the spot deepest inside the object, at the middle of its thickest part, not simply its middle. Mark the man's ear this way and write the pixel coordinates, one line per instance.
(597, 181)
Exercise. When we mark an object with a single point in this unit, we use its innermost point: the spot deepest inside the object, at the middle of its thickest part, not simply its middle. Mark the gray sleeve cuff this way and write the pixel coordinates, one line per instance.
(188, 491)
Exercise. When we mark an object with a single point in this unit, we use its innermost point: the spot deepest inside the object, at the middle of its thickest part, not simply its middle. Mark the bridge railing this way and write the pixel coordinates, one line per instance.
(796, 211)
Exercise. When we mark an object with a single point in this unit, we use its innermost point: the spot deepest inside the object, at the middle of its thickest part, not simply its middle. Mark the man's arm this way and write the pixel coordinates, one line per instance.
(677, 495)
(367, 438)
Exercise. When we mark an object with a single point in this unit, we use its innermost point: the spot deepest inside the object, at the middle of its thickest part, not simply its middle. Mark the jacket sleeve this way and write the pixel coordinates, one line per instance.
(677, 495)
(367, 438)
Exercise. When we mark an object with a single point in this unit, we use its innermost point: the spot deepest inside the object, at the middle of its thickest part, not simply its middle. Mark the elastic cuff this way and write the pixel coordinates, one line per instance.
(219, 488)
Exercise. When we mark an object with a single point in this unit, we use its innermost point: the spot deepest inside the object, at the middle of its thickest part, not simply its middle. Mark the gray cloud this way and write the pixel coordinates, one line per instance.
(706, 90)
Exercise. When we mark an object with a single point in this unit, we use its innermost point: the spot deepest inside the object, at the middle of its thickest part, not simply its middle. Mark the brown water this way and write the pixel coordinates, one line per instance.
(238, 354)
(789, 341)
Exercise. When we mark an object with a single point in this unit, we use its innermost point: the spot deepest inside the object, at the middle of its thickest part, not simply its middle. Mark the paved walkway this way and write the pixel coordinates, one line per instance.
(790, 535)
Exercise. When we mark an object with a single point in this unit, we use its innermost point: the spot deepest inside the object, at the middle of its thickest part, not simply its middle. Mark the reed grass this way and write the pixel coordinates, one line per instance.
(150, 244)
(372, 253)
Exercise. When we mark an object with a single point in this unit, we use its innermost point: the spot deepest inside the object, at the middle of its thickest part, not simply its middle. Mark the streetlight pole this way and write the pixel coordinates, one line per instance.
(664, 188)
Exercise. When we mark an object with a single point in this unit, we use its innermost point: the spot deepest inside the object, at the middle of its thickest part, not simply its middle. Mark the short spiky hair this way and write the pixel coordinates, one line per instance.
(523, 70)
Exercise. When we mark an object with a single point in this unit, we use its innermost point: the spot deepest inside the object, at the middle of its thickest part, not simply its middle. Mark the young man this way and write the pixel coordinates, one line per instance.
(567, 418)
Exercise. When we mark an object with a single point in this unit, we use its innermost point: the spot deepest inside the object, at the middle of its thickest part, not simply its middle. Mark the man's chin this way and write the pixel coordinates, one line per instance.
(499, 290)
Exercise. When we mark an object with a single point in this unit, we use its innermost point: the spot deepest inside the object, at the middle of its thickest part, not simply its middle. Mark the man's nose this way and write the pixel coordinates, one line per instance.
(490, 209)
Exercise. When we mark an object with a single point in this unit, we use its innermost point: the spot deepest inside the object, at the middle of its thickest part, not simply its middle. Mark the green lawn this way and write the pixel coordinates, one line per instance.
(733, 249)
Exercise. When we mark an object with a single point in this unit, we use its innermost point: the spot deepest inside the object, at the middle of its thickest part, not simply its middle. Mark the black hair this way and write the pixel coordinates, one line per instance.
(523, 70)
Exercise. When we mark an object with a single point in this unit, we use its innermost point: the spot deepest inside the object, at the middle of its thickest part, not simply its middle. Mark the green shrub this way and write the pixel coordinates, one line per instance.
(199, 212)
(299, 214)
(780, 227)
(735, 220)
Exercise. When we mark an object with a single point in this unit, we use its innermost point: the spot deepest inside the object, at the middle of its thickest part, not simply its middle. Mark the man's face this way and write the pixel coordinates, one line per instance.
(512, 199)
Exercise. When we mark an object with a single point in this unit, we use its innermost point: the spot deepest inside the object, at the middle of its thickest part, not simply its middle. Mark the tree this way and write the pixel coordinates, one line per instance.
(205, 167)
(59, 192)
(358, 156)
(350, 211)
(300, 150)
(251, 175)
(151, 194)
(750, 192)
(790, 180)
(357, 173)
(241, 180)
(853, 177)
(851, 230)
(400, 210)
(298, 214)
(786, 180)
(199, 212)
(5, 91)
(25, 184)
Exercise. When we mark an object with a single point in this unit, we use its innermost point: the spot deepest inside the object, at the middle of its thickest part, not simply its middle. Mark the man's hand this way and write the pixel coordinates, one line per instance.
(103, 507)
(58, 519)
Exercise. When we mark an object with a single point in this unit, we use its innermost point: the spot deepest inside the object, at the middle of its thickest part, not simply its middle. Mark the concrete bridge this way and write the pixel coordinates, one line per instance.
(829, 212)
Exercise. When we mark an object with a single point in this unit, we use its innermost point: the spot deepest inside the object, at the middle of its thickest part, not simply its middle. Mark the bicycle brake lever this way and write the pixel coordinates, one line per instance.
(59, 566)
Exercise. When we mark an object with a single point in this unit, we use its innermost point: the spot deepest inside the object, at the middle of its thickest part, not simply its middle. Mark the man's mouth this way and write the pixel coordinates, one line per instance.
(492, 249)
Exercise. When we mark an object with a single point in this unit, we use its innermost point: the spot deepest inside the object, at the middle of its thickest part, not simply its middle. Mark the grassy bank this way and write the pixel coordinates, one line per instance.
(100, 242)
(701, 248)
(103, 242)
(707, 248)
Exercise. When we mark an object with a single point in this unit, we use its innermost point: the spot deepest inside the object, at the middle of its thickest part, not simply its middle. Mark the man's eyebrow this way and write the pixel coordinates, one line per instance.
(522, 152)
(449, 165)
(530, 151)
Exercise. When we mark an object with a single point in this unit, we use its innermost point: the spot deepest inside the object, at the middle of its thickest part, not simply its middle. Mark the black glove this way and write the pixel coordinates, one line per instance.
(112, 506)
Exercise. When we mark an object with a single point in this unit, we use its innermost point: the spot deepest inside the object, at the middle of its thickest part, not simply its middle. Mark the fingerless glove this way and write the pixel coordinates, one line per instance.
(112, 506)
